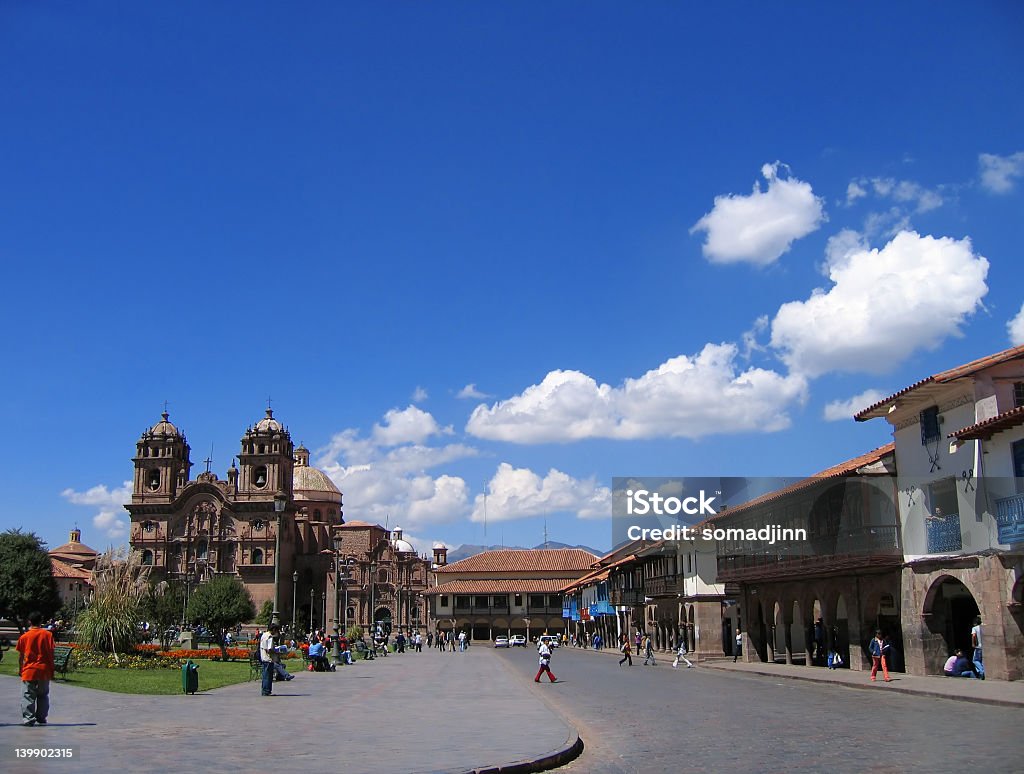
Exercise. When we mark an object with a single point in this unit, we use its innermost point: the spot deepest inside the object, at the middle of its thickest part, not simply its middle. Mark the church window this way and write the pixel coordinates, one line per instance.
(257, 556)
(201, 550)
(260, 476)
(382, 576)
(154, 479)
(147, 557)
(350, 612)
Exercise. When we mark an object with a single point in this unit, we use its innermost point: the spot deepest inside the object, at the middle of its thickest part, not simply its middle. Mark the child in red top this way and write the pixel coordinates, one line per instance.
(35, 666)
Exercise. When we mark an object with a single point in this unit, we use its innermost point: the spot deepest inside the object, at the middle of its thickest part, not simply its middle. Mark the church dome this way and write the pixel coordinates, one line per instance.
(400, 545)
(268, 424)
(311, 483)
(164, 427)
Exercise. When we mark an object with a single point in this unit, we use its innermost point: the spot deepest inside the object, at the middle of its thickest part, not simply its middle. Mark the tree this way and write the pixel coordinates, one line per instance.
(26, 577)
(111, 622)
(266, 612)
(220, 604)
(162, 605)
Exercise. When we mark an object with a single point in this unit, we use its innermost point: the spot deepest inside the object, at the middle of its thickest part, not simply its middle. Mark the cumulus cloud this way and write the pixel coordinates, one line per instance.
(409, 425)
(111, 518)
(472, 393)
(854, 191)
(841, 410)
(687, 397)
(882, 306)
(1015, 327)
(760, 227)
(999, 173)
(519, 493)
(419, 394)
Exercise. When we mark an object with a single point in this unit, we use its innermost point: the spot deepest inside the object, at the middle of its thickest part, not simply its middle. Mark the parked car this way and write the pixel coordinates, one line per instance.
(518, 640)
(501, 642)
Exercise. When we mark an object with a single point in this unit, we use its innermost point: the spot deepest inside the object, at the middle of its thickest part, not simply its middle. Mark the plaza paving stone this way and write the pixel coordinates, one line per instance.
(407, 713)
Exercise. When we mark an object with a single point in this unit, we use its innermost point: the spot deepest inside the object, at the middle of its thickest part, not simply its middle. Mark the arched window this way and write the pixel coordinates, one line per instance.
(259, 478)
(154, 479)
(257, 556)
(147, 557)
(350, 613)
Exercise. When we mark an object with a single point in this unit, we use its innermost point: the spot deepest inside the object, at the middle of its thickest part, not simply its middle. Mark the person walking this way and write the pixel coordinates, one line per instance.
(879, 650)
(681, 656)
(35, 668)
(649, 651)
(267, 658)
(624, 649)
(738, 649)
(544, 653)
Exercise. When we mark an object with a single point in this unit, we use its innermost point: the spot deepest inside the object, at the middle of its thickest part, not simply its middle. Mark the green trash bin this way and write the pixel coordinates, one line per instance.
(189, 677)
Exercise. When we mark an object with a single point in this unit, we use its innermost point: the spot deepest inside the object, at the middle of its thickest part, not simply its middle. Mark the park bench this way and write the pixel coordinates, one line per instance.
(361, 648)
(62, 659)
(255, 665)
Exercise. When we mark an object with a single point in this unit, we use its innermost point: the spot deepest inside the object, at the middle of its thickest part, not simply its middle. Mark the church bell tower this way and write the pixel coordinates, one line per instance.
(162, 463)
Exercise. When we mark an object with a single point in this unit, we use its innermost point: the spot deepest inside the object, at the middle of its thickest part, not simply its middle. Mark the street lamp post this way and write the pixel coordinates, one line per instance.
(373, 581)
(312, 595)
(323, 600)
(280, 501)
(336, 649)
(295, 590)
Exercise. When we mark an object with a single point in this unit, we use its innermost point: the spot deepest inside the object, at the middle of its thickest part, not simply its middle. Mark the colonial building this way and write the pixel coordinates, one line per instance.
(845, 572)
(959, 450)
(72, 565)
(505, 592)
(276, 523)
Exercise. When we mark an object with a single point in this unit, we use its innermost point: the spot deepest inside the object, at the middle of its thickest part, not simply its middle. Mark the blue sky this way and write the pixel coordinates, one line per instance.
(506, 248)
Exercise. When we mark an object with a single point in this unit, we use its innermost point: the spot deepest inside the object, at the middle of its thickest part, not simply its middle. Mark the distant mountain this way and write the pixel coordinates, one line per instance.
(467, 550)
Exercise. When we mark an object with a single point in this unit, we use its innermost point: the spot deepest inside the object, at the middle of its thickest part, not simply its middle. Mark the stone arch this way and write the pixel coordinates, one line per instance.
(948, 613)
(691, 628)
(839, 632)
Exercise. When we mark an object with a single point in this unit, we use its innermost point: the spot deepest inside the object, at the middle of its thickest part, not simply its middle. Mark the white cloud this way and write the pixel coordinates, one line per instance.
(409, 425)
(1015, 327)
(386, 475)
(902, 191)
(519, 493)
(760, 227)
(419, 394)
(854, 191)
(112, 518)
(471, 392)
(883, 305)
(686, 397)
(841, 410)
(999, 173)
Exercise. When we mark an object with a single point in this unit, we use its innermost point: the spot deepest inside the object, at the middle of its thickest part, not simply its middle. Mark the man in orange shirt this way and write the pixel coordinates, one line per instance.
(35, 666)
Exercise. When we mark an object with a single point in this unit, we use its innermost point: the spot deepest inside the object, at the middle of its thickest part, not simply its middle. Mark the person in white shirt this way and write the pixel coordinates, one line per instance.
(544, 653)
(267, 658)
(681, 656)
(462, 641)
(976, 639)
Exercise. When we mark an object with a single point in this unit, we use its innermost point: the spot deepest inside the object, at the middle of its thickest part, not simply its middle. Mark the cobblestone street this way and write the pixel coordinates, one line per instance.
(655, 719)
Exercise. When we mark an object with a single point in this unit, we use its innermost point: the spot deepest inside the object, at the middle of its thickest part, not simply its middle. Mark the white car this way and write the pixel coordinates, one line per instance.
(550, 639)
(518, 639)
(501, 642)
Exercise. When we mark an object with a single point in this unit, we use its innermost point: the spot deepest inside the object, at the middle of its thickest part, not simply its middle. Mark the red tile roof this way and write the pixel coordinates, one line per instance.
(836, 471)
(64, 570)
(989, 427)
(500, 586)
(594, 577)
(360, 524)
(525, 560)
(943, 377)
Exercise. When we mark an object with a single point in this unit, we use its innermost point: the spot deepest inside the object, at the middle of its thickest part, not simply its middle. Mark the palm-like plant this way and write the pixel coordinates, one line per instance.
(110, 623)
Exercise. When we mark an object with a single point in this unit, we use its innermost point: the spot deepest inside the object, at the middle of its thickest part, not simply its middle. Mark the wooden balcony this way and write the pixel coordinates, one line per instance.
(664, 586)
(626, 597)
(835, 554)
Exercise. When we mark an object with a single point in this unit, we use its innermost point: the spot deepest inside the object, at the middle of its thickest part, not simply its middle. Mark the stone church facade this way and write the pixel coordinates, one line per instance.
(275, 522)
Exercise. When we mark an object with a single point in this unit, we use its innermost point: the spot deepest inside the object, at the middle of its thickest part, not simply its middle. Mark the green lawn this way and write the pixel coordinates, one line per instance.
(212, 674)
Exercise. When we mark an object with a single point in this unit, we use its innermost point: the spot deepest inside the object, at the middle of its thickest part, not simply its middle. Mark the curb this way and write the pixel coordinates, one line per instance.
(871, 687)
(568, 751)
